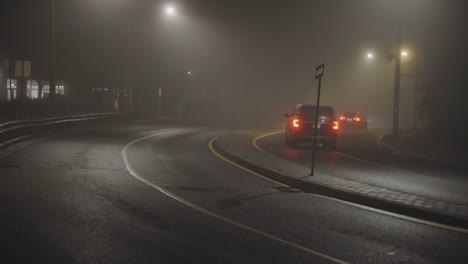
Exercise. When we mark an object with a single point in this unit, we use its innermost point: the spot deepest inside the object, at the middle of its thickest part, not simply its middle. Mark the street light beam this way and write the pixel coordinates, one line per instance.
(170, 10)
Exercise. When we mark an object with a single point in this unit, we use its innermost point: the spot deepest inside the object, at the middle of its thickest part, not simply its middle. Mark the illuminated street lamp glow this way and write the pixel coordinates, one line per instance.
(404, 53)
(370, 55)
(189, 72)
(170, 10)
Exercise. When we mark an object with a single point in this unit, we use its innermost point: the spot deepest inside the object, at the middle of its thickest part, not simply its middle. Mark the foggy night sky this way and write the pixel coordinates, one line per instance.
(258, 54)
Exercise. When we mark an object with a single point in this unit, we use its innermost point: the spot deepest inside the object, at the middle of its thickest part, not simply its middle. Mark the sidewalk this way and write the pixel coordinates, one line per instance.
(238, 147)
(421, 146)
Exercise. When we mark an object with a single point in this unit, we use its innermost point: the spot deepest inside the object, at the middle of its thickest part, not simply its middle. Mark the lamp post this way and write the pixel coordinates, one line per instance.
(396, 96)
(52, 58)
(191, 98)
(417, 75)
(395, 56)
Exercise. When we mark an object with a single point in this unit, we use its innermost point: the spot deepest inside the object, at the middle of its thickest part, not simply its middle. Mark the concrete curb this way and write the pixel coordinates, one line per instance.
(353, 197)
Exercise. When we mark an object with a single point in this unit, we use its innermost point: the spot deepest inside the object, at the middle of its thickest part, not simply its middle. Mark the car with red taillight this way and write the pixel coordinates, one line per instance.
(300, 126)
(350, 120)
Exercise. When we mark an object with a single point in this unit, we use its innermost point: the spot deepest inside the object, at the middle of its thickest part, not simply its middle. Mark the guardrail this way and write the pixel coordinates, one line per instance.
(12, 132)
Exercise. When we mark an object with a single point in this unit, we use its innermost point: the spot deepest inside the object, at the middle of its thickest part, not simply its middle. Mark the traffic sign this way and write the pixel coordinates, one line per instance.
(319, 71)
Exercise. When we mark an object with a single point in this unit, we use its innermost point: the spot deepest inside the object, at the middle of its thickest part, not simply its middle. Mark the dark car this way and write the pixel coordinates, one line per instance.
(353, 120)
(300, 126)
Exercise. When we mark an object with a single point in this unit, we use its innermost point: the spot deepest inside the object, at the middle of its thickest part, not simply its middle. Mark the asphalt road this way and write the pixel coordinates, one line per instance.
(146, 193)
(359, 158)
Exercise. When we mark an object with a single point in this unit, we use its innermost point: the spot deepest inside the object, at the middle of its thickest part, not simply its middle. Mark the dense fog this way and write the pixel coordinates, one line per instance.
(248, 60)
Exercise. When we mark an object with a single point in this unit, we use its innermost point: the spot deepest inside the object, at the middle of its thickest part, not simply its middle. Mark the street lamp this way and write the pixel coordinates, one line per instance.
(52, 58)
(170, 10)
(397, 74)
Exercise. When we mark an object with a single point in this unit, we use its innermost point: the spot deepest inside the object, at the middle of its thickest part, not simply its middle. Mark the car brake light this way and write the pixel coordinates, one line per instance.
(295, 122)
(342, 118)
(336, 125)
(357, 119)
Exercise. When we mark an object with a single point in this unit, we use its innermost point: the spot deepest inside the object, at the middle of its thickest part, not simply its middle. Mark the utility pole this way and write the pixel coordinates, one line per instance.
(52, 58)
(418, 68)
(416, 85)
(131, 53)
(419, 94)
(396, 88)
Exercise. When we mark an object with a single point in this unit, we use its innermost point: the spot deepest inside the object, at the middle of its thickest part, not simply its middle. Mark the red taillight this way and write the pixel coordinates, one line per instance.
(342, 118)
(357, 119)
(336, 125)
(295, 122)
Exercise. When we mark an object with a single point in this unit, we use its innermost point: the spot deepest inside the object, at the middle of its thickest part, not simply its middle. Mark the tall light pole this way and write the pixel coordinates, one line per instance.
(129, 53)
(191, 100)
(52, 58)
(395, 56)
(396, 85)
(417, 76)
(171, 11)
(396, 96)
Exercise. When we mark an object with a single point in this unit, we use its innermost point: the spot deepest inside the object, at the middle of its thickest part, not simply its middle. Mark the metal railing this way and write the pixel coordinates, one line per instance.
(11, 132)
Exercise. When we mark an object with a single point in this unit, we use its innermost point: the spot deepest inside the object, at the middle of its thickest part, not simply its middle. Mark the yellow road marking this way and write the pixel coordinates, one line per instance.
(210, 145)
(255, 139)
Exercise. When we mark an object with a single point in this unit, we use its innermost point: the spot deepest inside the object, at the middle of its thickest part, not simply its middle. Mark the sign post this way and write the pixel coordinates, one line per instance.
(319, 71)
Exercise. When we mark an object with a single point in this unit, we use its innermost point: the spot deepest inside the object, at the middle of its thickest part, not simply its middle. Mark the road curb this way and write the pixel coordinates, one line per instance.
(349, 196)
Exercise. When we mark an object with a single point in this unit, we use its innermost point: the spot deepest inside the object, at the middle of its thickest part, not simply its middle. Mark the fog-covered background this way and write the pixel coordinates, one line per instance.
(248, 59)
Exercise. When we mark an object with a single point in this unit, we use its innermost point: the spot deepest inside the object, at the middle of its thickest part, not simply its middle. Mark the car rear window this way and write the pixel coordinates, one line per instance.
(351, 114)
(309, 111)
